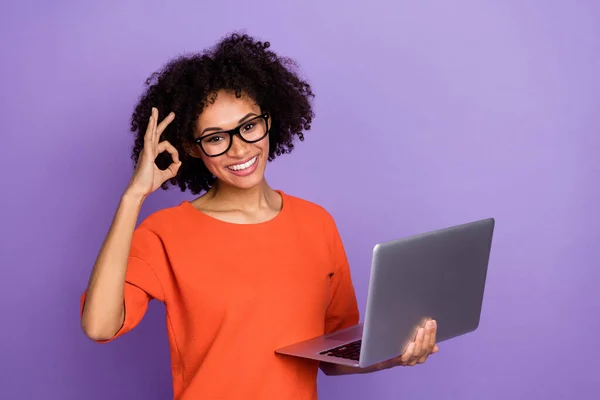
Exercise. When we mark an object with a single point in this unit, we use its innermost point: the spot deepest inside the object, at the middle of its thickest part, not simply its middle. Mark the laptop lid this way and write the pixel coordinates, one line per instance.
(439, 275)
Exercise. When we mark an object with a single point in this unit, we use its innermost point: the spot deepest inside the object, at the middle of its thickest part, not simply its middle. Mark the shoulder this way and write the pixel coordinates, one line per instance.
(166, 220)
(309, 210)
(157, 235)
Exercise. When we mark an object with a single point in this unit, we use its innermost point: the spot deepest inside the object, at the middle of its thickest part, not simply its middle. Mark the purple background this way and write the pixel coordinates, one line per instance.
(429, 113)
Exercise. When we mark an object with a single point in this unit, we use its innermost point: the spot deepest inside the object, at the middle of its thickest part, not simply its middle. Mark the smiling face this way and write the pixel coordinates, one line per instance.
(243, 164)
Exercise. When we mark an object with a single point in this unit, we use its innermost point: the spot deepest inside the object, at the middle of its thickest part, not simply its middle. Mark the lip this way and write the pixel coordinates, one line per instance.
(244, 172)
(242, 162)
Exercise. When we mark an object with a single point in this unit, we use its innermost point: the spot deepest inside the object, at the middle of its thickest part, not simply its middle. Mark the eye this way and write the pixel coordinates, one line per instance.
(214, 139)
(249, 127)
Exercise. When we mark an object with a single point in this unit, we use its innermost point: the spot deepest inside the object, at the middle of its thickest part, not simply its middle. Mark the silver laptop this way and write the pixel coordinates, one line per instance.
(439, 275)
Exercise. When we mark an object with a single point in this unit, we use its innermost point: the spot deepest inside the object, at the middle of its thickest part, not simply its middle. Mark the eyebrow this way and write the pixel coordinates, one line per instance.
(251, 114)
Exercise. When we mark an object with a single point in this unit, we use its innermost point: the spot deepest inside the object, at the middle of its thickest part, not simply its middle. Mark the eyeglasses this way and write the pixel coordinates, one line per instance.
(218, 143)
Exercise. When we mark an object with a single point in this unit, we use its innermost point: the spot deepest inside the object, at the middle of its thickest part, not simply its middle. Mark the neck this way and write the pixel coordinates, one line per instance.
(250, 199)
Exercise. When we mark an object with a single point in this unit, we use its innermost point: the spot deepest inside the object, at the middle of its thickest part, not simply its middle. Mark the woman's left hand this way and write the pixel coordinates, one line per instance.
(416, 352)
(420, 349)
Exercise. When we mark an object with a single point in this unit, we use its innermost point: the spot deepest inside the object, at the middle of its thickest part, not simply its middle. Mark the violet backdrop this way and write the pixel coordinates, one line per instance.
(429, 113)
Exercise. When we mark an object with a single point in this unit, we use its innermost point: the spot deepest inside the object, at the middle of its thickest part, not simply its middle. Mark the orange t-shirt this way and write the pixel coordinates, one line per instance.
(236, 292)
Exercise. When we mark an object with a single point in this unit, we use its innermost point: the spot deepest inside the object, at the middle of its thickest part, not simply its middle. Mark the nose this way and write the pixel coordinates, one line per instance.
(238, 148)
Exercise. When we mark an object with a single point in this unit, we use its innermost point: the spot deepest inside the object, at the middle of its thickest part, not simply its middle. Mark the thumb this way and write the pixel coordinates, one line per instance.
(171, 172)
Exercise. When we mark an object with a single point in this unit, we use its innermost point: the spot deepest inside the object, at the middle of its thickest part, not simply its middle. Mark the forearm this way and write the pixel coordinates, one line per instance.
(104, 312)
(337, 369)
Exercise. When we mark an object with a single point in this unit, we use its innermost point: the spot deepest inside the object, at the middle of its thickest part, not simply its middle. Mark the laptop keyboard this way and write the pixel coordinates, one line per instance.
(350, 351)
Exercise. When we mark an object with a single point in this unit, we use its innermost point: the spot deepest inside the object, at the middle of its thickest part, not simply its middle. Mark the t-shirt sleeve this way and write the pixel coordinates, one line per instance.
(342, 311)
(142, 284)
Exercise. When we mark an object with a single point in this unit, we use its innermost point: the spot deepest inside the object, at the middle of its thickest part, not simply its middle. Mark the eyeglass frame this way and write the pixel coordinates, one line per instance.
(234, 132)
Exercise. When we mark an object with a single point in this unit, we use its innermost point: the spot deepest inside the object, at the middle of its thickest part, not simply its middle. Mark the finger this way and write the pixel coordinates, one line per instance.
(173, 169)
(170, 172)
(435, 349)
(432, 338)
(408, 354)
(427, 347)
(166, 146)
(426, 340)
(419, 343)
(154, 122)
(149, 135)
(164, 123)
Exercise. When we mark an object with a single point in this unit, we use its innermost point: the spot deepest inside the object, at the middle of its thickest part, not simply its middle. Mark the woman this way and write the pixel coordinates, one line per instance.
(242, 269)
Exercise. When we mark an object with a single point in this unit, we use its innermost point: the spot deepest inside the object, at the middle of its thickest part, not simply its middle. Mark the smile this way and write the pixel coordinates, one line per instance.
(240, 167)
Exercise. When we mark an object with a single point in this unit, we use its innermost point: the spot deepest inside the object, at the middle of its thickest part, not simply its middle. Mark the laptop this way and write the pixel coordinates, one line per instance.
(437, 275)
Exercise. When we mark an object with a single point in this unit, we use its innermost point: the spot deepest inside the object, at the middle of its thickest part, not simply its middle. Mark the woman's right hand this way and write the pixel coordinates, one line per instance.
(147, 177)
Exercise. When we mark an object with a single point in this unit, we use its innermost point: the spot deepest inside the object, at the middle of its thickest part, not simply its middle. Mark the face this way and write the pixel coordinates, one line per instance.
(243, 165)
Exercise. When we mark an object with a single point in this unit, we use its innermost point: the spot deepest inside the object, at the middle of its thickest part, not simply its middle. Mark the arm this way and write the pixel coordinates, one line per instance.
(417, 352)
(104, 313)
(337, 369)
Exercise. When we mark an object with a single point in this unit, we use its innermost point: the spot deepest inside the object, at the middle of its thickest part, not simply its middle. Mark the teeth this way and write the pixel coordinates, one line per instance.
(245, 165)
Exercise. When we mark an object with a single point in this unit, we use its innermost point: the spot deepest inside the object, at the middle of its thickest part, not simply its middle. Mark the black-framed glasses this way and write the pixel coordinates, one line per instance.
(218, 143)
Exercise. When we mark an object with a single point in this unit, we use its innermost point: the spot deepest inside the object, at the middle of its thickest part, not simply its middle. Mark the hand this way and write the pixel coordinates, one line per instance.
(147, 177)
(419, 350)
(416, 352)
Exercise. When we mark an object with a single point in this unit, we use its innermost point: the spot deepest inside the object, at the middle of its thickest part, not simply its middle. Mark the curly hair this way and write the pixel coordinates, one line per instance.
(186, 84)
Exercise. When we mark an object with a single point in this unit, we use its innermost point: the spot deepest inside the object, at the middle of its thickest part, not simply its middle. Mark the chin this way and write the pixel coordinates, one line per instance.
(245, 183)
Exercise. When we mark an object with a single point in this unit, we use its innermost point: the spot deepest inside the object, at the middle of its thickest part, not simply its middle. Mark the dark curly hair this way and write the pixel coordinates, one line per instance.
(238, 63)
